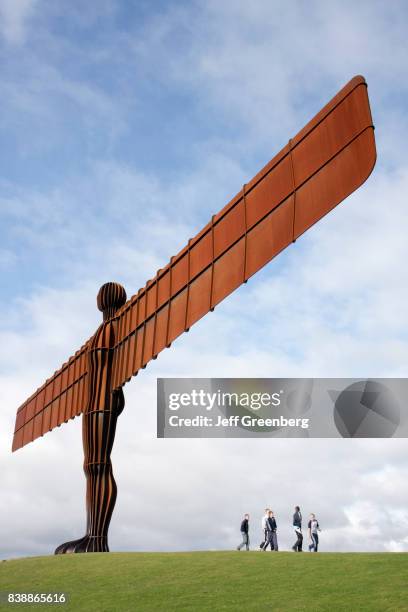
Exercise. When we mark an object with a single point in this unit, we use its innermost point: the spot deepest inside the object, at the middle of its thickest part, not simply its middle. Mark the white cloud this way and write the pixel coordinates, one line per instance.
(264, 64)
(206, 466)
(14, 15)
(332, 305)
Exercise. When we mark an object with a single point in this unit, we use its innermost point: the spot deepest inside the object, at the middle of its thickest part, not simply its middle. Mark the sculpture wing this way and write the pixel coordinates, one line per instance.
(323, 164)
(60, 398)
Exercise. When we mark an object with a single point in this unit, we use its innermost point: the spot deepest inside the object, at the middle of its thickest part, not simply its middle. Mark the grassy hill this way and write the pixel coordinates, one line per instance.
(213, 581)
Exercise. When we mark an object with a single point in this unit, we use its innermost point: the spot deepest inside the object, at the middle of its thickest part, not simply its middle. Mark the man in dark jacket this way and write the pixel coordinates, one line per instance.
(297, 526)
(244, 533)
(272, 539)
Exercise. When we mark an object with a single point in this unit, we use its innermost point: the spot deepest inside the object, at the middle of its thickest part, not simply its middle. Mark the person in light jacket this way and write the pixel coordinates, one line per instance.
(264, 528)
(313, 528)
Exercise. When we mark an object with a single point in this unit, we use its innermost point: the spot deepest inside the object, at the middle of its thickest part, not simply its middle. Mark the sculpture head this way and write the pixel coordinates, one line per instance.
(111, 297)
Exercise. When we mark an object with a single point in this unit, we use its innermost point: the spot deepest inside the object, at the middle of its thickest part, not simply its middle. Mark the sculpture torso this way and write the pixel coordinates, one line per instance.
(100, 359)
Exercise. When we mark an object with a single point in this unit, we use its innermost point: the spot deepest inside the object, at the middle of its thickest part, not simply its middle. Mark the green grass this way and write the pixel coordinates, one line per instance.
(213, 581)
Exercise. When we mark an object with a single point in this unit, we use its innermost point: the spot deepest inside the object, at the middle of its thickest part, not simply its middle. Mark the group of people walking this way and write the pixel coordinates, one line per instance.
(269, 528)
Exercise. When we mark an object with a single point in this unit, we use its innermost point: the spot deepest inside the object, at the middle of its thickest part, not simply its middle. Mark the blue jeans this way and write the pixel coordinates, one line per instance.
(245, 540)
(315, 543)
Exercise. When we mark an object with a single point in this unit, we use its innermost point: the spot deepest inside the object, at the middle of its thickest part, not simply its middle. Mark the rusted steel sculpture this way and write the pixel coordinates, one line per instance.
(324, 163)
(103, 406)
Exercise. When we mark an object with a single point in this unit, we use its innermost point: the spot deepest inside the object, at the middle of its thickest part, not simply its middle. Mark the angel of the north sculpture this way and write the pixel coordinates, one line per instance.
(318, 168)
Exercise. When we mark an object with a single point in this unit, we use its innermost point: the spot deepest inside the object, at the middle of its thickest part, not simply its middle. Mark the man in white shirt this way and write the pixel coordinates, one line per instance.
(264, 528)
(313, 527)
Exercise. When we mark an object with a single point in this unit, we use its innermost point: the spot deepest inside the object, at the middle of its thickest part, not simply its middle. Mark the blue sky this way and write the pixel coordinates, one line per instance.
(124, 127)
(169, 91)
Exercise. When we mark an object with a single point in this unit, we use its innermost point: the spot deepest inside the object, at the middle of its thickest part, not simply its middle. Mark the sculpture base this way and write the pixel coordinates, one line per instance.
(86, 544)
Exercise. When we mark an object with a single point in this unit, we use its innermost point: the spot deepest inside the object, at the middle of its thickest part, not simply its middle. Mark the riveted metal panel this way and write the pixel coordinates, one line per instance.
(28, 431)
(131, 352)
(37, 431)
(177, 317)
(148, 342)
(270, 237)
(270, 192)
(199, 298)
(337, 179)
(229, 229)
(20, 418)
(344, 123)
(180, 274)
(228, 272)
(18, 439)
(164, 289)
(200, 256)
(70, 406)
(161, 330)
(46, 419)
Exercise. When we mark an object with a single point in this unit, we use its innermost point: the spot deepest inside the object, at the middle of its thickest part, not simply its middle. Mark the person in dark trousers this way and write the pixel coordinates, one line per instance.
(297, 526)
(271, 527)
(244, 533)
(313, 528)
(272, 522)
(266, 523)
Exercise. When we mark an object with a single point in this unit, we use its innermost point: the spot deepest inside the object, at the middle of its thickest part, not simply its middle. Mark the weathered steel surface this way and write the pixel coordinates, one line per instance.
(319, 167)
(101, 411)
(59, 399)
(323, 164)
